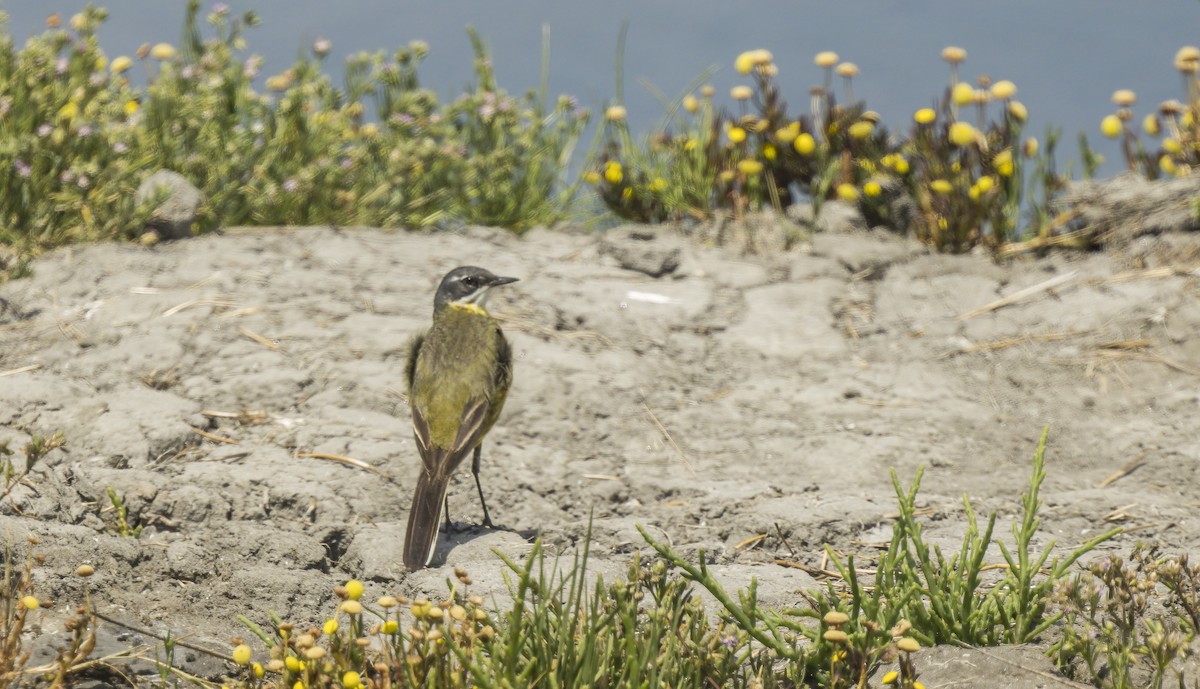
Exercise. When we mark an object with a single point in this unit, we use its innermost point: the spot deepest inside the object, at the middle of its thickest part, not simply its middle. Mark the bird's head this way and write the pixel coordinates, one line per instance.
(467, 285)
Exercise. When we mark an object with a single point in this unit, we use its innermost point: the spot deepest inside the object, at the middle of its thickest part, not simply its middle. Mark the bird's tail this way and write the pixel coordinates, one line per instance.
(424, 520)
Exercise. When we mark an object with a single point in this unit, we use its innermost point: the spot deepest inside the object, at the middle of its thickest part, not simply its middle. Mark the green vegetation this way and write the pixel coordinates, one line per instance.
(77, 136)
(1110, 624)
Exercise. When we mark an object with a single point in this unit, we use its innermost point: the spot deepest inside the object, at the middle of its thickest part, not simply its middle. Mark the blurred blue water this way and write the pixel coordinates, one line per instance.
(1066, 56)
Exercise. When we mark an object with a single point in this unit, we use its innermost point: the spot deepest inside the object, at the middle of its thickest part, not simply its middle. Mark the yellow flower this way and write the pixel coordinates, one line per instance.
(741, 92)
(737, 135)
(691, 103)
(626, 193)
(1030, 147)
(1167, 165)
(351, 607)
(370, 130)
(1111, 126)
(591, 177)
(121, 64)
(69, 111)
(101, 63)
(962, 94)
(786, 135)
(768, 151)
(1186, 120)
(872, 188)
(901, 166)
(354, 589)
(861, 129)
(848, 70)
(1150, 124)
(162, 51)
(918, 685)
(826, 58)
(1004, 89)
(241, 654)
(31, 603)
(612, 172)
(658, 184)
(963, 134)
(804, 144)
(1003, 162)
(690, 144)
(615, 113)
(131, 106)
(985, 184)
(1124, 98)
(330, 627)
(1171, 145)
(925, 115)
(749, 168)
(1018, 111)
(280, 82)
(258, 670)
(890, 677)
(941, 186)
(953, 54)
(293, 663)
(390, 627)
(846, 192)
(351, 680)
(744, 63)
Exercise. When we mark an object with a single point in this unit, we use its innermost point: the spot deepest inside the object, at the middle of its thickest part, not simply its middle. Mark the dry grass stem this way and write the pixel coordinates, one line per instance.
(22, 369)
(1124, 471)
(214, 437)
(348, 461)
(215, 302)
(1019, 295)
(269, 344)
(670, 440)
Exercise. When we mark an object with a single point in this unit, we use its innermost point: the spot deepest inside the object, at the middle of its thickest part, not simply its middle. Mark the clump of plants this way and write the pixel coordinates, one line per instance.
(78, 137)
(956, 181)
(1174, 124)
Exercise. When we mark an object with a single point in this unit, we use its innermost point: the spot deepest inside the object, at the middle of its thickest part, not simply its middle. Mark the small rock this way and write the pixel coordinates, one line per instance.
(834, 216)
(173, 218)
(645, 250)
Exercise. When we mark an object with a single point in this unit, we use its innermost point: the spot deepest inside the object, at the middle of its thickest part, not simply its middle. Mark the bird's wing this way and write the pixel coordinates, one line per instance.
(410, 366)
(442, 461)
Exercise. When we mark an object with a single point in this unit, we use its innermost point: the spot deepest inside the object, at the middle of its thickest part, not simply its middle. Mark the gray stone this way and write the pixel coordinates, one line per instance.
(173, 217)
(833, 216)
(642, 249)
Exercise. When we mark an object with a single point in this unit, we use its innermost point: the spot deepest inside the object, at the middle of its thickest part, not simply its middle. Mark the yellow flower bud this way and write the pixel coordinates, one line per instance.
(786, 135)
(962, 93)
(615, 113)
(1030, 147)
(1150, 124)
(872, 188)
(613, 173)
(390, 627)
(121, 64)
(1167, 165)
(861, 129)
(804, 144)
(941, 186)
(1171, 145)
(744, 63)
(1018, 111)
(845, 192)
(908, 645)
(352, 607)
(293, 663)
(1004, 89)
(591, 177)
(31, 602)
(1111, 126)
(351, 680)
(925, 115)
(1187, 59)
(847, 70)
(330, 627)
(1124, 98)
(354, 589)
(741, 92)
(769, 152)
(963, 134)
(242, 654)
(69, 111)
(162, 51)
(953, 54)
(749, 168)
(1003, 162)
(901, 166)
(691, 103)
(826, 58)
(737, 135)
(890, 677)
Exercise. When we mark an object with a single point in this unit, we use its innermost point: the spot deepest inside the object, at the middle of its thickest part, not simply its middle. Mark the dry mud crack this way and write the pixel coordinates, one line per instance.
(213, 382)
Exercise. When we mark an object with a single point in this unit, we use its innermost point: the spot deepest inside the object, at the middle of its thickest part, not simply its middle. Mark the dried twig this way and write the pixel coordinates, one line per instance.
(1124, 471)
(666, 434)
(23, 369)
(1017, 296)
(214, 437)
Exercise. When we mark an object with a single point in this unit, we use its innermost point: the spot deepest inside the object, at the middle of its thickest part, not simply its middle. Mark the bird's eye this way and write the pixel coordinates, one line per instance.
(469, 281)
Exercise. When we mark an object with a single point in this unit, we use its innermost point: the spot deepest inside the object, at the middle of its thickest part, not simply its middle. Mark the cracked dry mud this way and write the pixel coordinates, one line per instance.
(208, 382)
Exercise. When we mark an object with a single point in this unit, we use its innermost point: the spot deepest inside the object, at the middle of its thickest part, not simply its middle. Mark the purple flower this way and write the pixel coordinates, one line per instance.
(67, 177)
(22, 168)
(44, 130)
(220, 8)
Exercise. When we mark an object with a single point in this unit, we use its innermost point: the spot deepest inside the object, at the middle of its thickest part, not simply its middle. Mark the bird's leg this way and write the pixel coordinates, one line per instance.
(446, 511)
(487, 519)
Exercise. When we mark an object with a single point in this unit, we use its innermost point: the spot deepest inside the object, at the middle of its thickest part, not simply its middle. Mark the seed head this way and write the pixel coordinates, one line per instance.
(84, 571)
(242, 654)
(1004, 89)
(847, 69)
(741, 92)
(908, 645)
(1124, 98)
(826, 58)
(835, 636)
(953, 54)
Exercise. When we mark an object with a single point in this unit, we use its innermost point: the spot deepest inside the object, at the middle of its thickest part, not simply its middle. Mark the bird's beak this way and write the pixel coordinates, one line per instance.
(496, 281)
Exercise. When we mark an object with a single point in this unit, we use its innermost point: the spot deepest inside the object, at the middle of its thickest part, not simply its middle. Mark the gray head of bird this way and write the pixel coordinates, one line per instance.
(467, 285)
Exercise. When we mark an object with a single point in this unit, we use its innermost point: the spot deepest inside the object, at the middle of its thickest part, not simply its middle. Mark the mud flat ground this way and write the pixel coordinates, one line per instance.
(208, 382)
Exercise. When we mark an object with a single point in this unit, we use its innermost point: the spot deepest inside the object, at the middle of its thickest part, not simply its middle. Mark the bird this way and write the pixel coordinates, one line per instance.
(458, 374)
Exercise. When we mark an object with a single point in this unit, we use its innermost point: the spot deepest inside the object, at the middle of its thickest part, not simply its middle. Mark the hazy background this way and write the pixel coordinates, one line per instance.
(1066, 56)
